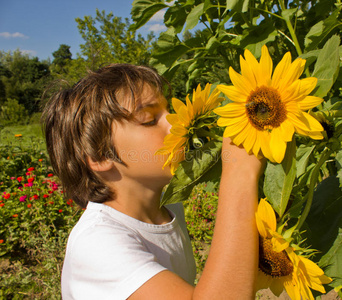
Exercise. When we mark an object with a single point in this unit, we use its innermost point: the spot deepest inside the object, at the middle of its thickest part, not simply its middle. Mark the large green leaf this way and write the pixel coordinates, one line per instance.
(279, 180)
(257, 36)
(327, 66)
(143, 10)
(237, 5)
(200, 165)
(193, 17)
(320, 31)
(323, 228)
(303, 154)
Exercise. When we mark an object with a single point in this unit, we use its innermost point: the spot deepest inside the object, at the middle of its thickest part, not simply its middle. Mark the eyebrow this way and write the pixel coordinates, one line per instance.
(147, 105)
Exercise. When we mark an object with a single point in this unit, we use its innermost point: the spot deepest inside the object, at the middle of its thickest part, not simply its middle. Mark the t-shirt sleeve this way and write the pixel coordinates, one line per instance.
(106, 263)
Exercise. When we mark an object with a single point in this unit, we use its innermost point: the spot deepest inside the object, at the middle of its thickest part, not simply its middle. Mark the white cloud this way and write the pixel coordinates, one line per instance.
(156, 27)
(8, 35)
(158, 17)
(29, 52)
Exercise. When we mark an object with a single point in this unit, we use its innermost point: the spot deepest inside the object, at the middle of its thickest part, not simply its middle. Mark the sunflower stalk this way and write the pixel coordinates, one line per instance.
(314, 177)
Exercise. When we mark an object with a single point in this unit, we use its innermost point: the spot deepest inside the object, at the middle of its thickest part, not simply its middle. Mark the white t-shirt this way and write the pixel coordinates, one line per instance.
(109, 255)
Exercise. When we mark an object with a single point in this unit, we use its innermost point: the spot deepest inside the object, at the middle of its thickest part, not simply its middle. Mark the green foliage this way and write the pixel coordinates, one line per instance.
(200, 215)
(305, 189)
(231, 27)
(199, 166)
(35, 220)
(11, 112)
(23, 79)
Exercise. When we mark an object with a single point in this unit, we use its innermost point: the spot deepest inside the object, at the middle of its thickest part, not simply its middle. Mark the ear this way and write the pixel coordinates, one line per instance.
(100, 166)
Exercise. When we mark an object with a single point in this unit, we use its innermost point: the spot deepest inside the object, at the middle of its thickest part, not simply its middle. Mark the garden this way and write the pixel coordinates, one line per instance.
(265, 73)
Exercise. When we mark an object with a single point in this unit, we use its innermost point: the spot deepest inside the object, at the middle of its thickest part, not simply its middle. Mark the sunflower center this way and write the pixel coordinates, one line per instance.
(275, 264)
(265, 109)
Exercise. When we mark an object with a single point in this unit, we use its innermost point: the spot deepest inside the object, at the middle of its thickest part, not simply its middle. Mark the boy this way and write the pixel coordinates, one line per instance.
(101, 136)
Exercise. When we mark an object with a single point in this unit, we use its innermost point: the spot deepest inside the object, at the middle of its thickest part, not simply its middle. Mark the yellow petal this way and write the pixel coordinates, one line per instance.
(280, 70)
(309, 102)
(177, 104)
(255, 67)
(278, 147)
(240, 82)
(267, 215)
(230, 121)
(235, 128)
(250, 139)
(296, 69)
(292, 289)
(261, 226)
(230, 110)
(266, 66)
(248, 73)
(257, 144)
(172, 118)
(263, 281)
(277, 286)
(279, 243)
(233, 93)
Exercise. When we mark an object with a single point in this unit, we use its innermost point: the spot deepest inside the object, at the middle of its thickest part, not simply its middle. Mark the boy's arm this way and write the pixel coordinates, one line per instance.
(231, 267)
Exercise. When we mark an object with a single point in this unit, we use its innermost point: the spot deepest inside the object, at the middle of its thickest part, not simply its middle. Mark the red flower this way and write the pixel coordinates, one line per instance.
(15, 215)
(2, 204)
(40, 159)
(34, 197)
(31, 179)
(23, 198)
(51, 202)
(61, 210)
(30, 169)
(29, 205)
(50, 175)
(45, 196)
(6, 195)
(1, 241)
(20, 178)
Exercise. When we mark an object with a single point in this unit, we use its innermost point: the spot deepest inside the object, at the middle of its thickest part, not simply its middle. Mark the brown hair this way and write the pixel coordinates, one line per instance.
(77, 122)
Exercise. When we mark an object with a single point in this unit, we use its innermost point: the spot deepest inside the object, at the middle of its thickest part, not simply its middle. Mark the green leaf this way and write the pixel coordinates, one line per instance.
(201, 165)
(327, 66)
(324, 227)
(287, 13)
(143, 10)
(193, 17)
(303, 154)
(237, 5)
(338, 159)
(279, 180)
(320, 31)
(257, 36)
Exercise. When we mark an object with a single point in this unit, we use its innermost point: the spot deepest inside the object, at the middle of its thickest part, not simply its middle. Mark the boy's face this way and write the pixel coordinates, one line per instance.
(137, 140)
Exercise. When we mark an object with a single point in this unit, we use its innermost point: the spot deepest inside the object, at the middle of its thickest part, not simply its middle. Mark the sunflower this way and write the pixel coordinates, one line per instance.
(267, 109)
(280, 267)
(189, 124)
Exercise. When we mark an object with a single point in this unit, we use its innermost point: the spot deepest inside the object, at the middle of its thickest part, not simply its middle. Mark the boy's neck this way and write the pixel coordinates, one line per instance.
(140, 203)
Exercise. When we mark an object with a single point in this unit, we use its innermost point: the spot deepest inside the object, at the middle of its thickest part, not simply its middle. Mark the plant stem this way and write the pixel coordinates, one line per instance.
(290, 28)
(313, 180)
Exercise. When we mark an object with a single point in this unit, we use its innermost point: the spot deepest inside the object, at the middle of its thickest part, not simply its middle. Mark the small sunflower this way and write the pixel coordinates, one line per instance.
(267, 109)
(189, 124)
(280, 267)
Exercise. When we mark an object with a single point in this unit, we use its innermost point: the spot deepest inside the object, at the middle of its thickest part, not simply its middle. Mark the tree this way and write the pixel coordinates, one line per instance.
(24, 79)
(62, 58)
(109, 39)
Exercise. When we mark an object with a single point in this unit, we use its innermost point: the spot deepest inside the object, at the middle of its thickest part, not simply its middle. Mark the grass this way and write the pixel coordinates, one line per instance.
(29, 133)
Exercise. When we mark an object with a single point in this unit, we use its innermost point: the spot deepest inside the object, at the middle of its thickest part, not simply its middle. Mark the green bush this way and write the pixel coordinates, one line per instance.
(200, 214)
(35, 221)
(13, 113)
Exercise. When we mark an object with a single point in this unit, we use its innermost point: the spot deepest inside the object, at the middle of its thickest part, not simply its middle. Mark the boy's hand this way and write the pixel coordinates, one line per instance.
(236, 159)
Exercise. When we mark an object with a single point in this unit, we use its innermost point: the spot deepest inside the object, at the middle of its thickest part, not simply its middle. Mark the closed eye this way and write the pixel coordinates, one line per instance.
(150, 123)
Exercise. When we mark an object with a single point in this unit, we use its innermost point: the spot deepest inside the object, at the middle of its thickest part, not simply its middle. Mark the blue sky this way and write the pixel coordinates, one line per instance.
(38, 27)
